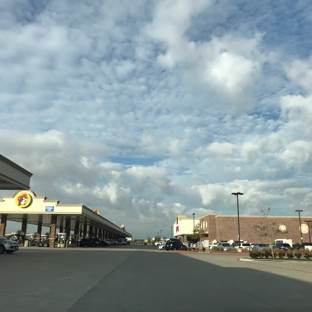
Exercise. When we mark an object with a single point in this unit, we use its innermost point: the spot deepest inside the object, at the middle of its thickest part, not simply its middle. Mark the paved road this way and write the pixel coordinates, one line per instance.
(143, 279)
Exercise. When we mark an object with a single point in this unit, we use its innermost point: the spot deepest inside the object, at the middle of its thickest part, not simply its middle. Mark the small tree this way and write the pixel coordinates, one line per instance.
(267, 227)
(157, 239)
(198, 233)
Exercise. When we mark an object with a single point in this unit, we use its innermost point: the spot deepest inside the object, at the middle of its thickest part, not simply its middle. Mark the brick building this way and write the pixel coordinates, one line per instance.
(225, 227)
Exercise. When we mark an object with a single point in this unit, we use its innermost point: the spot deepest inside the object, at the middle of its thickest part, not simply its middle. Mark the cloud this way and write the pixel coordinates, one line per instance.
(300, 72)
(145, 110)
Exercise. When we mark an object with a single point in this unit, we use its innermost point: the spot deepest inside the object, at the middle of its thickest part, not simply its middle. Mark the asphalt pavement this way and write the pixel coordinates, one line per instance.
(143, 278)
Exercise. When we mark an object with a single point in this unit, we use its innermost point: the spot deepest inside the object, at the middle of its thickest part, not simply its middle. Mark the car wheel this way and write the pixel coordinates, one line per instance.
(93, 245)
(2, 249)
(40, 244)
(45, 244)
(9, 252)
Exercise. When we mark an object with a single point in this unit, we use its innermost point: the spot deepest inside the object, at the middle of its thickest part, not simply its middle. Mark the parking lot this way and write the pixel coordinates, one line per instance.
(143, 278)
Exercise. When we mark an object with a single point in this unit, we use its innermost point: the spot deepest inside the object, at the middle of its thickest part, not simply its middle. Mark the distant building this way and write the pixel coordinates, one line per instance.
(225, 228)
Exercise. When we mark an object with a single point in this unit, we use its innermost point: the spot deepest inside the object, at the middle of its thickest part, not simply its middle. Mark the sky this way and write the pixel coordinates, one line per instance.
(149, 109)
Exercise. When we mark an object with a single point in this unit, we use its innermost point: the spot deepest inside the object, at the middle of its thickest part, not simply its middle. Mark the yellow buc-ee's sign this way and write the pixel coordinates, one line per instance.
(23, 199)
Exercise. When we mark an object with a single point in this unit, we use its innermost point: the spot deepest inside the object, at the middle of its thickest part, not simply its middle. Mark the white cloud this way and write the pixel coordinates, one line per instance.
(222, 149)
(300, 72)
(145, 110)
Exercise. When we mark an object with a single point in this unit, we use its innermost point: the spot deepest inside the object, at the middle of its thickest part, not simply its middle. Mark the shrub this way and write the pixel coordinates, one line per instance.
(214, 248)
(231, 249)
(307, 254)
(299, 252)
(254, 254)
(267, 252)
(281, 253)
(290, 254)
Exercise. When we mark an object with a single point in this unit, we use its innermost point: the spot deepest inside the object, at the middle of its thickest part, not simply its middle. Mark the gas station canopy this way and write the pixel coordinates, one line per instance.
(25, 205)
(12, 176)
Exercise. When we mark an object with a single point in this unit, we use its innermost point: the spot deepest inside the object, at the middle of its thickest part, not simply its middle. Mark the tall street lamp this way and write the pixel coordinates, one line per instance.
(238, 225)
(193, 226)
(308, 221)
(300, 225)
(171, 233)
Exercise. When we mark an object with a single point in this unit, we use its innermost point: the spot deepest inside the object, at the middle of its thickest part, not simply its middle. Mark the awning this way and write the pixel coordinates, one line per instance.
(13, 176)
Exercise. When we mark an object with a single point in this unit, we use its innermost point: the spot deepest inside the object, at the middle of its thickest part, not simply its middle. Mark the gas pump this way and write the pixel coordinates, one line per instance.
(61, 240)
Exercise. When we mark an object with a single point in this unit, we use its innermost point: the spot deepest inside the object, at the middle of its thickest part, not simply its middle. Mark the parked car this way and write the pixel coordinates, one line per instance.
(244, 246)
(175, 244)
(282, 246)
(19, 238)
(32, 242)
(297, 246)
(161, 246)
(7, 245)
(90, 242)
(303, 245)
(260, 246)
(307, 246)
(224, 246)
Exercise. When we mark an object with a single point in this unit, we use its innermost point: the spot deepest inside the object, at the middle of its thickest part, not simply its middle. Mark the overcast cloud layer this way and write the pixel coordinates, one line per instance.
(144, 110)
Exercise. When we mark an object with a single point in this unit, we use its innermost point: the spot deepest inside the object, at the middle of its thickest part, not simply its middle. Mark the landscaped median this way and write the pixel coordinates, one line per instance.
(215, 250)
(266, 253)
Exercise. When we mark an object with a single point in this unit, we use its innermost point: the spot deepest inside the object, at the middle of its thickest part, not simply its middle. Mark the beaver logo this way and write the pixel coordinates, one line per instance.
(23, 199)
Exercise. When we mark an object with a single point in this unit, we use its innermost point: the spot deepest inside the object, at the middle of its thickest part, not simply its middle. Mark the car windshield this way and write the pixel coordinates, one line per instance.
(226, 244)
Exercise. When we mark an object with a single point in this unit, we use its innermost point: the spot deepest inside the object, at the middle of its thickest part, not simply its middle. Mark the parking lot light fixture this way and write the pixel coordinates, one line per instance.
(238, 225)
(298, 210)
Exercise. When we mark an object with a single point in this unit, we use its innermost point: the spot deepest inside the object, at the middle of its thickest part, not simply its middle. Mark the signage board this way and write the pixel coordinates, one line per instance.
(49, 208)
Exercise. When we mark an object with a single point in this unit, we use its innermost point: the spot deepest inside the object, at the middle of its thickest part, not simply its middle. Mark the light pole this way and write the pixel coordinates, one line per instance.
(193, 227)
(238, 225)
(171, 233)
(308, 221)
(300, 225)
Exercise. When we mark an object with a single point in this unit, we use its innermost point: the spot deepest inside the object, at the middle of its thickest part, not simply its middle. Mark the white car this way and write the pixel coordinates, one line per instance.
(224, 246)
(7, 245)
(161, 246)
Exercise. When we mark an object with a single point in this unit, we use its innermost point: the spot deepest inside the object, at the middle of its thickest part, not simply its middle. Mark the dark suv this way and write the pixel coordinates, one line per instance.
(282, 246)
(175, 244)
(90, 242)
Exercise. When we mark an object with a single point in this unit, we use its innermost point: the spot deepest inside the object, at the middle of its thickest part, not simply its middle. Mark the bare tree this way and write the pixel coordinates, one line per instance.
(198, 233)
(267, 227)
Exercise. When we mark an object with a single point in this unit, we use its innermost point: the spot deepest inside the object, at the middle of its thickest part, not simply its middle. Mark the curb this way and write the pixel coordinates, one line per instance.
(243, 259)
